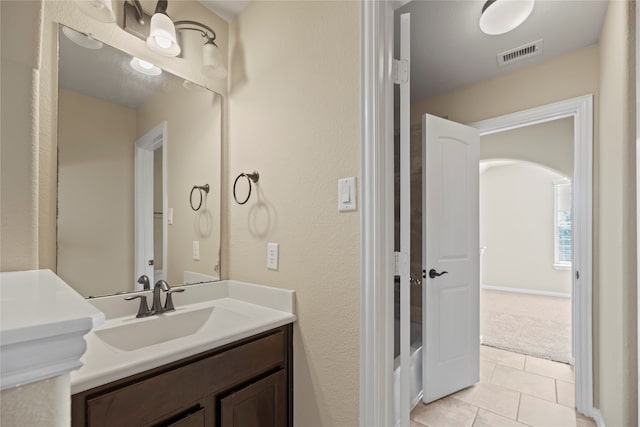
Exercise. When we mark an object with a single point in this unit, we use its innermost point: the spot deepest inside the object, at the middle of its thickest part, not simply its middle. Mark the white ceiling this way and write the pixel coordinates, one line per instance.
(226, 9)
(448, 50)
(105, 74)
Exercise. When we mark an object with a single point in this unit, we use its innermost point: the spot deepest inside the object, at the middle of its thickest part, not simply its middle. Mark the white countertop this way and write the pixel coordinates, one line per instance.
(42, 322)
(246, 309)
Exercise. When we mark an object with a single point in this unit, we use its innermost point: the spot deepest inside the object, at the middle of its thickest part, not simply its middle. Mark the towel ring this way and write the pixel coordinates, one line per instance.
(200, 189)
(250, 177)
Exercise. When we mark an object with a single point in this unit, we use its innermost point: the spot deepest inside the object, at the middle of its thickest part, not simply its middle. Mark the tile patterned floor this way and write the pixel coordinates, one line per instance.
(514, 391)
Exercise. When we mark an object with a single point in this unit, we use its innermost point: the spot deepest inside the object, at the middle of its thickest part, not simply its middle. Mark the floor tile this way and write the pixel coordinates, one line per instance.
(446, 412)
(486, 370)
(541, 413)
(560, 371)
(489, 419)
(525, 382)
(491, 397)
(502, 357)
(566, 394)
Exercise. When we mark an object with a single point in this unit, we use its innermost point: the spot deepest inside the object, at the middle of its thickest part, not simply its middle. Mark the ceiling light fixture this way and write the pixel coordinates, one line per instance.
(100, 10)
(502, 16)
(145, 67)
(81, 39)
(160, 33)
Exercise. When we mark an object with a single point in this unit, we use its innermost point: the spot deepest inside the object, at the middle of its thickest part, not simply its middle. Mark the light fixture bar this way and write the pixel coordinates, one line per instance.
(134, 23)
(201, 28)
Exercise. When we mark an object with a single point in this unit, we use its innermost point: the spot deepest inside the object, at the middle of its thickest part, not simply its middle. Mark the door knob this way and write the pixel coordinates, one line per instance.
(433, 273)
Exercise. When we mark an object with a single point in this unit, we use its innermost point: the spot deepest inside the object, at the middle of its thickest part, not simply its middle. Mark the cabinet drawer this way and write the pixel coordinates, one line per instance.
(168, 393)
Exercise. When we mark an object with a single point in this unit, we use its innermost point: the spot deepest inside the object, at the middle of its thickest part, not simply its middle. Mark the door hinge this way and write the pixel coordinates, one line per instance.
(577, 275)
(400, 72)
(400, 264)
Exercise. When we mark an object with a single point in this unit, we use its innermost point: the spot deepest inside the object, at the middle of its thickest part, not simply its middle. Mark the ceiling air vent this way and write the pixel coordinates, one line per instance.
(519, 53)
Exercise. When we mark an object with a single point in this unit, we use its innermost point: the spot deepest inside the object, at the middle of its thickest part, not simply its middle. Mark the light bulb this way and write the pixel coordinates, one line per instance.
(163, 42)
(145, 67)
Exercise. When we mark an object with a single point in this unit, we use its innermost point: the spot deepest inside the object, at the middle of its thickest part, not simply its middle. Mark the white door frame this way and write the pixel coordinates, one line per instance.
(637, 50)
(377, 223)
(581, 109)
(155, 139)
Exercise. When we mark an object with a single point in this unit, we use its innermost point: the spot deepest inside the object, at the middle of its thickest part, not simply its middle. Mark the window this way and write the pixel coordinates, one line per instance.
(562, 224)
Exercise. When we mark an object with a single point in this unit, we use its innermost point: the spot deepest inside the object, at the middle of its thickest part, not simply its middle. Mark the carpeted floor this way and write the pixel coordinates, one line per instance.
(531, 324)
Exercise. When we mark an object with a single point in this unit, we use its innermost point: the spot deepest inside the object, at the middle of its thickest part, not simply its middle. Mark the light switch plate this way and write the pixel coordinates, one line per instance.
(170, 216)
(347, 194)
(272, 256)
(196, 250)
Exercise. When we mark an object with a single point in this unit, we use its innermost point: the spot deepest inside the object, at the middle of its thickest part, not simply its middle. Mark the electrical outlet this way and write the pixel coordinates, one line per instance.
(272, 256)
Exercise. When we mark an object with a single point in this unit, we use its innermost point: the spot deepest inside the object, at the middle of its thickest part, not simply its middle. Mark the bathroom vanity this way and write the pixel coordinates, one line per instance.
(223, 358)
(246, 383)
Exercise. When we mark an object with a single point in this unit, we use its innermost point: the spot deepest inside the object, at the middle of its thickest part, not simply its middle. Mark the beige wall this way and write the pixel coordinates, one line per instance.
(95, 194)
(294, 117)
(557, 79)
(19, 132)
(549, 144)
(193, 150)
(516, 227)
(617, 227)
(44, 403)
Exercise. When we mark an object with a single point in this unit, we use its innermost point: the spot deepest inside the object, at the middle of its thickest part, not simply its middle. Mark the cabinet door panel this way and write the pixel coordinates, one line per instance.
(261, 404)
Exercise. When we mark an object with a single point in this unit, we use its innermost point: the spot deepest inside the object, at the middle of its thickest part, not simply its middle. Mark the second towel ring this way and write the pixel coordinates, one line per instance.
(200, 189)
(250, 177)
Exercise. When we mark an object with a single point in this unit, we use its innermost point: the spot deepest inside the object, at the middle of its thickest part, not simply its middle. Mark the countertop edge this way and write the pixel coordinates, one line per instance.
(52, 345)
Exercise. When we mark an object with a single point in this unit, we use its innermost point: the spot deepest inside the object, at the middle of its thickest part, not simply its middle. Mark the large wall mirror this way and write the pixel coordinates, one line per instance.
(138, 148)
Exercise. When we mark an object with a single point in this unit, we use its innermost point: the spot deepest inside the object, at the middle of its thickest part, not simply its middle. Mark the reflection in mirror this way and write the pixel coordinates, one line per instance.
(133, 140)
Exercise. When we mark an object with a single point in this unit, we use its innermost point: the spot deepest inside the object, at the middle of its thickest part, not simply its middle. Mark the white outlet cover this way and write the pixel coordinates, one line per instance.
(272, 256)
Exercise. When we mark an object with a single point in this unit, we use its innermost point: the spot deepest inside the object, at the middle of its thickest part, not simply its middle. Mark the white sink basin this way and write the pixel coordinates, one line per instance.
(207, 316)
(140, 333)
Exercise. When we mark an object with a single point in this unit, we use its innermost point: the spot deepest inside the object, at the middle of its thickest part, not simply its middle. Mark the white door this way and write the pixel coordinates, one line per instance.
(450, 241)
(143, 203)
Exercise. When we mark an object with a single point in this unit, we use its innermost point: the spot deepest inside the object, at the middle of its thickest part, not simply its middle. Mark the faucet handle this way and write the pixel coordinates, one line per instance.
(143, 309)
(168, 304)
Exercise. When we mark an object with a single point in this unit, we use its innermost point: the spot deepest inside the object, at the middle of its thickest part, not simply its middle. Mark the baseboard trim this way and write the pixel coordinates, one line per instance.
(526, 291)
(597, 417)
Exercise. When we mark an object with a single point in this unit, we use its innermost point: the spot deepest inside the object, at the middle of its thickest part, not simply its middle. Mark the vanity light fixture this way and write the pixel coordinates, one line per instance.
(502, 16)
(145, 67)
(100, 10)
(83, 40)
(160, 33)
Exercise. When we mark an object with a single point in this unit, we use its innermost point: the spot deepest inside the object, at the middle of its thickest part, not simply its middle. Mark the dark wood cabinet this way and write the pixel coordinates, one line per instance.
(262, 404)
(244, 384)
